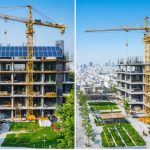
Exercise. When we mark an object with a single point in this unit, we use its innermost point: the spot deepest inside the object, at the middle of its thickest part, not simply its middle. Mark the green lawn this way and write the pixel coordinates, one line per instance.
(24, 126)
(32, 139)
(102, 106)
(125, 130)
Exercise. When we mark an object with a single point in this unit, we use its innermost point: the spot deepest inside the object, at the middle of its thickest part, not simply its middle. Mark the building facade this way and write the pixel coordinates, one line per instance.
(51, 76)
(130, 82)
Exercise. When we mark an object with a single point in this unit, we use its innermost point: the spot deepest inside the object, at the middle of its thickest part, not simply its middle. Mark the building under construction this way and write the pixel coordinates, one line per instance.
(131, 82)
(52, 80)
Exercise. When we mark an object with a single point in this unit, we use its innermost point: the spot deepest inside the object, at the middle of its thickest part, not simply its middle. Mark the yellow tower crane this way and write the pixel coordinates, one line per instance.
(29, 66)
(146, 56)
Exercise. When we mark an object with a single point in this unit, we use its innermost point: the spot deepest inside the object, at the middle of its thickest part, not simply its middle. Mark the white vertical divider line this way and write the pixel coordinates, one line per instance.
(75, 74)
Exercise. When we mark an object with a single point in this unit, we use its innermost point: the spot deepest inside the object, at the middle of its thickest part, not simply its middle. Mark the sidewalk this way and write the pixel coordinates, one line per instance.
(3, 132)
(80, 137)
(97, 131)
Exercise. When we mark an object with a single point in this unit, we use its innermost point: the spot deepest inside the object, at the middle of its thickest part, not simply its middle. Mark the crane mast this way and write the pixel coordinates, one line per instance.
(147, 69)
(29, 64)
(146, 57)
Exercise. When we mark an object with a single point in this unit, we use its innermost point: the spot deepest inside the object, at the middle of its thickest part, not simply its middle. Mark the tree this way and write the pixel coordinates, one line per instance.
(84, 112)
(66, 116)
(114, 88)
(126, 107)
(81, 98)
(89, 133)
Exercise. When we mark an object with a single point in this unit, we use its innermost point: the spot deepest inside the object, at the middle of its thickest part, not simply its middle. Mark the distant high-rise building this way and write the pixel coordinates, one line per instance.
(84, 66)
(113, 64)
(90, 64)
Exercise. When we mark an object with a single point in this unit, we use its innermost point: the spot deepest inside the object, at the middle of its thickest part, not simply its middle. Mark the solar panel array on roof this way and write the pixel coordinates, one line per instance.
(21, 51)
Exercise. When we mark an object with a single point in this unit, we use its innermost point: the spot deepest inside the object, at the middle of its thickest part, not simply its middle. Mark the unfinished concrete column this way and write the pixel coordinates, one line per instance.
(12, 90)
(12, 75)
(12, 102)
(42, 92)
(12, 114)
(12, 78)
(42, 67)
(42, 80)
(12, 66)
(42, 105)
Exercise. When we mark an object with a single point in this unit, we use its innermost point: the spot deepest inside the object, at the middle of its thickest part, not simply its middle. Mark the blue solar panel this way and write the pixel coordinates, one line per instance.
(21, 51)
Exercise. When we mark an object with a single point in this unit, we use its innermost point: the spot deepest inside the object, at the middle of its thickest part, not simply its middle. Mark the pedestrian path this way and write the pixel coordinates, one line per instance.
(3, 132)
(80, 137)
(97, 131)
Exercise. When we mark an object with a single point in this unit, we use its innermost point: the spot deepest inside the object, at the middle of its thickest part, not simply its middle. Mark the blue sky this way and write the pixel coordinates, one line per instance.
(61, 11)
(100, 47)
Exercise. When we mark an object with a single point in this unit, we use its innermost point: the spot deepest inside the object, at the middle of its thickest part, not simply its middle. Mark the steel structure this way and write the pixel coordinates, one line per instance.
(146, 56)
(29, 24)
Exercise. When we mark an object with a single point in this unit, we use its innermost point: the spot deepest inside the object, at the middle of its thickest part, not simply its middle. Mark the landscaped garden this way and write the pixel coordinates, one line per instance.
(102, 106)
(121, 135)
(31, 135)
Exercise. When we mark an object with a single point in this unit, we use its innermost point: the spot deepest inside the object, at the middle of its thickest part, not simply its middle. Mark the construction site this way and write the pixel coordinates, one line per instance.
(146, 65)
(132, 95)
(33, 79)
(51, 81)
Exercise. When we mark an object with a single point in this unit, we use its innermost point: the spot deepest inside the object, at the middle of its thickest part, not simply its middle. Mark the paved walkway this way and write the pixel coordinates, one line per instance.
(97, 130)
(3, 131)
(80, 137)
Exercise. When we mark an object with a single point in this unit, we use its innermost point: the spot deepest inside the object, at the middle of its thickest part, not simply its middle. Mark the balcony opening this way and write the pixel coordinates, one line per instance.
(50, 78)
(5, 90)
(5, 78)
(19, 90)
(19, 77)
